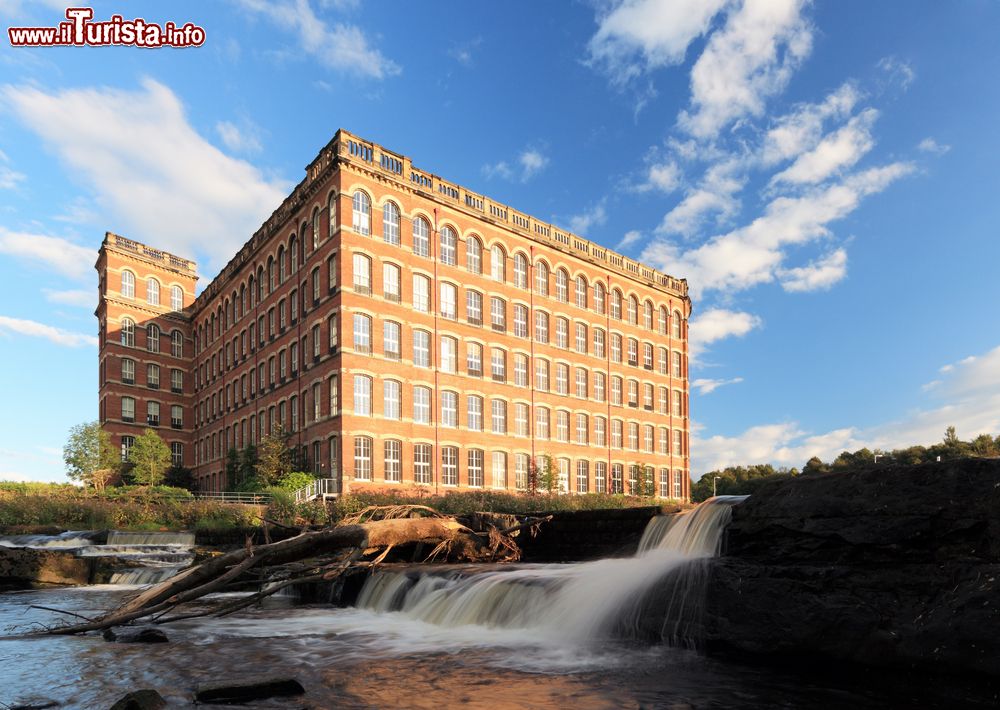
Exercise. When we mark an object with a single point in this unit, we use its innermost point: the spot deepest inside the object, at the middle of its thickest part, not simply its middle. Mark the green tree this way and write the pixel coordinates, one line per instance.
(89, 455)
(274, 458)
(232, 469)
(738, 480)
(150, 458)
(546, 476)
(248, 464)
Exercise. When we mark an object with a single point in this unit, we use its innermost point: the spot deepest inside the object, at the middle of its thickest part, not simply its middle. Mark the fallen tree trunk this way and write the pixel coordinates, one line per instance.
(450, 538)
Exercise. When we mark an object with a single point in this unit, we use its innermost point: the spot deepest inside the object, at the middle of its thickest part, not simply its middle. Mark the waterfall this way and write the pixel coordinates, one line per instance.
(578, 602)
(67, 540)
(123, 537)
(143, 575)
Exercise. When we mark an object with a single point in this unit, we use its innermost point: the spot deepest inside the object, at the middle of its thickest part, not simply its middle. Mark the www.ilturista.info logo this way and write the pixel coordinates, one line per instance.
(81, 31)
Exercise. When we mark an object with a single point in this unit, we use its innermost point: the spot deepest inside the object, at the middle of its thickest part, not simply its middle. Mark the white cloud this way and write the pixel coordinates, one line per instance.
(749, 60)
(238, 140)
(717, 324)
(341, 47)
(62, 255)
(661, 176)
(593, 217)
(714, 194)
(76, 297)
(967, 397)
(897, 71)
(464, 53)
(156, 177)
(707, 386)
(817, 276)
(753, 254)
(929, 145)
(35, 329)
(835, 152)
(800, 130)
(531, 162)
(629, 238)
(9, 178)
(639, 35)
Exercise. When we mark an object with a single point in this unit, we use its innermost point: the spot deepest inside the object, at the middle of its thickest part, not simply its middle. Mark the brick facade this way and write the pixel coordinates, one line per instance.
(412, 334)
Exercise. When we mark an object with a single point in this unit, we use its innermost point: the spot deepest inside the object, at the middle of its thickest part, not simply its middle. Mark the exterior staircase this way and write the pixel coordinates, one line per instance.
(321, 488)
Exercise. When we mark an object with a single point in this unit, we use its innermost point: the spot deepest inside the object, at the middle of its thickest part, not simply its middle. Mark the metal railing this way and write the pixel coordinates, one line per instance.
(234, 497)
(320, 488)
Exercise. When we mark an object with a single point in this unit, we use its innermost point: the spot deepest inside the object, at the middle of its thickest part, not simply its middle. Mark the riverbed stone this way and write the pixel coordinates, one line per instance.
(143, 635)
(237, 691)
(145, 699)
(894, 566)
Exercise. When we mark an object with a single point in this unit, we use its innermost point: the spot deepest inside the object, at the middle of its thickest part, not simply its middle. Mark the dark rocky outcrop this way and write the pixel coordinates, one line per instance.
(143, 635)
(23, 568)
(894, 566)
(579, 535)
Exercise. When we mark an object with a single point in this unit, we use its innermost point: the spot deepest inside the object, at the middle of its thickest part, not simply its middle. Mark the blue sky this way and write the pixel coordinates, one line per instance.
(823, 174)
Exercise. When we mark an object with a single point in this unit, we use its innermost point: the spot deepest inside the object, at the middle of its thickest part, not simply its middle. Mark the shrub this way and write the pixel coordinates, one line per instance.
(295, 480)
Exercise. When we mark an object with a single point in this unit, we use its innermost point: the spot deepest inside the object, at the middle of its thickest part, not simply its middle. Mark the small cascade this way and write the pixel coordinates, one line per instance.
(580, 602)
(123, 537)
(69, 540)
(143, 575)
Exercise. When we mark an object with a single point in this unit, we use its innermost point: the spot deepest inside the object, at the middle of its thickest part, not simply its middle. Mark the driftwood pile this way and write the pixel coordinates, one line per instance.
(364, 540)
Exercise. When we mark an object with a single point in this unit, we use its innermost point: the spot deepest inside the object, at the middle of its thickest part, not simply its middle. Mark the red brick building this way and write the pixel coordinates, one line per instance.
(409, 333)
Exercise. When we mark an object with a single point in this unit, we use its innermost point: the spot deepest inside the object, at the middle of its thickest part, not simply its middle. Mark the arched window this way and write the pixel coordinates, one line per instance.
(449, 244)
(315, 227)
(128, 284)
(362, 219)
(647, 315)
(633, 310)
(390, 224)
(474, 255)
(153, 292)
(293, 251)
(176, 298)
(542, 278)
(281, 265)
(581, 292)
(599, 297)
(153, 338)
(363, 458)
(421, 237)
(664, 318)
(520, 270)
(498, 263)
(616, 304)
(177, 344)
(362, 274)
(272, 282)
(562, 285)
(128, 332)
(677, 324)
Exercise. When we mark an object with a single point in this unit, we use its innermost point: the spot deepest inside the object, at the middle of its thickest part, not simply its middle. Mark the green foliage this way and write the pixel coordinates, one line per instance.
(737, 480)
(294, 480)
(150, 458)
(274, 457)
(179, 477)
(89, 456)
(546, 476)
(232, 469)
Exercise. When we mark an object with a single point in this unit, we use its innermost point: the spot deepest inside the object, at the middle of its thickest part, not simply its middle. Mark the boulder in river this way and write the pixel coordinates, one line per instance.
(23, 568)
(145, 699)
(245, 691)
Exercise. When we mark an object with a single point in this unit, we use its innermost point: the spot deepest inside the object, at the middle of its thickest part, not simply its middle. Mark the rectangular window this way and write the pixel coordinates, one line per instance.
(617, 486)
(599, 342)
(474, 307)
(393, 464)
(449, 465)
(128, 371)
(390, 283)
(664, 437)
(498, 365)
(521, 370)
(362, 395)
(542, 422)
(678, 484)
(391, 347)
(422, 464)
(498, 314)
(520, 320)
(391, 399)
(541, 327)
(177, 381)
(362, 334)
(362, 274)
(498, 416)
(176, 416)
(647, 439)
(421, 348)
(582, 476)
(521, 419)
(542, 375)
(421, 405)
(475, 461)
(600, 477)
(676, 357)
(449, 308)
(449, 409)
(474, 412)
(582, 429)
(562, 379)
(421, 293)
(633, 436)
(362, 458)
(334, 385)
(176, 453)
(562, 333)
(581, 338)
(600, 431)
(562, 426)
(616, 433)
(678, 448)
(581, 383)
(128, 409)
(599, 386)
(521, 462)
(449, 354)
(616, 390)
(153, 413)
(616, 347)
(499, 469)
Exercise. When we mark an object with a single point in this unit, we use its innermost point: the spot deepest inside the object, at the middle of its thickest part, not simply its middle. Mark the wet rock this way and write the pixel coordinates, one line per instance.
(246, 691)
(24, 568)
(895, 566)
(33, 704)
(145, 699)
(143, 635)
